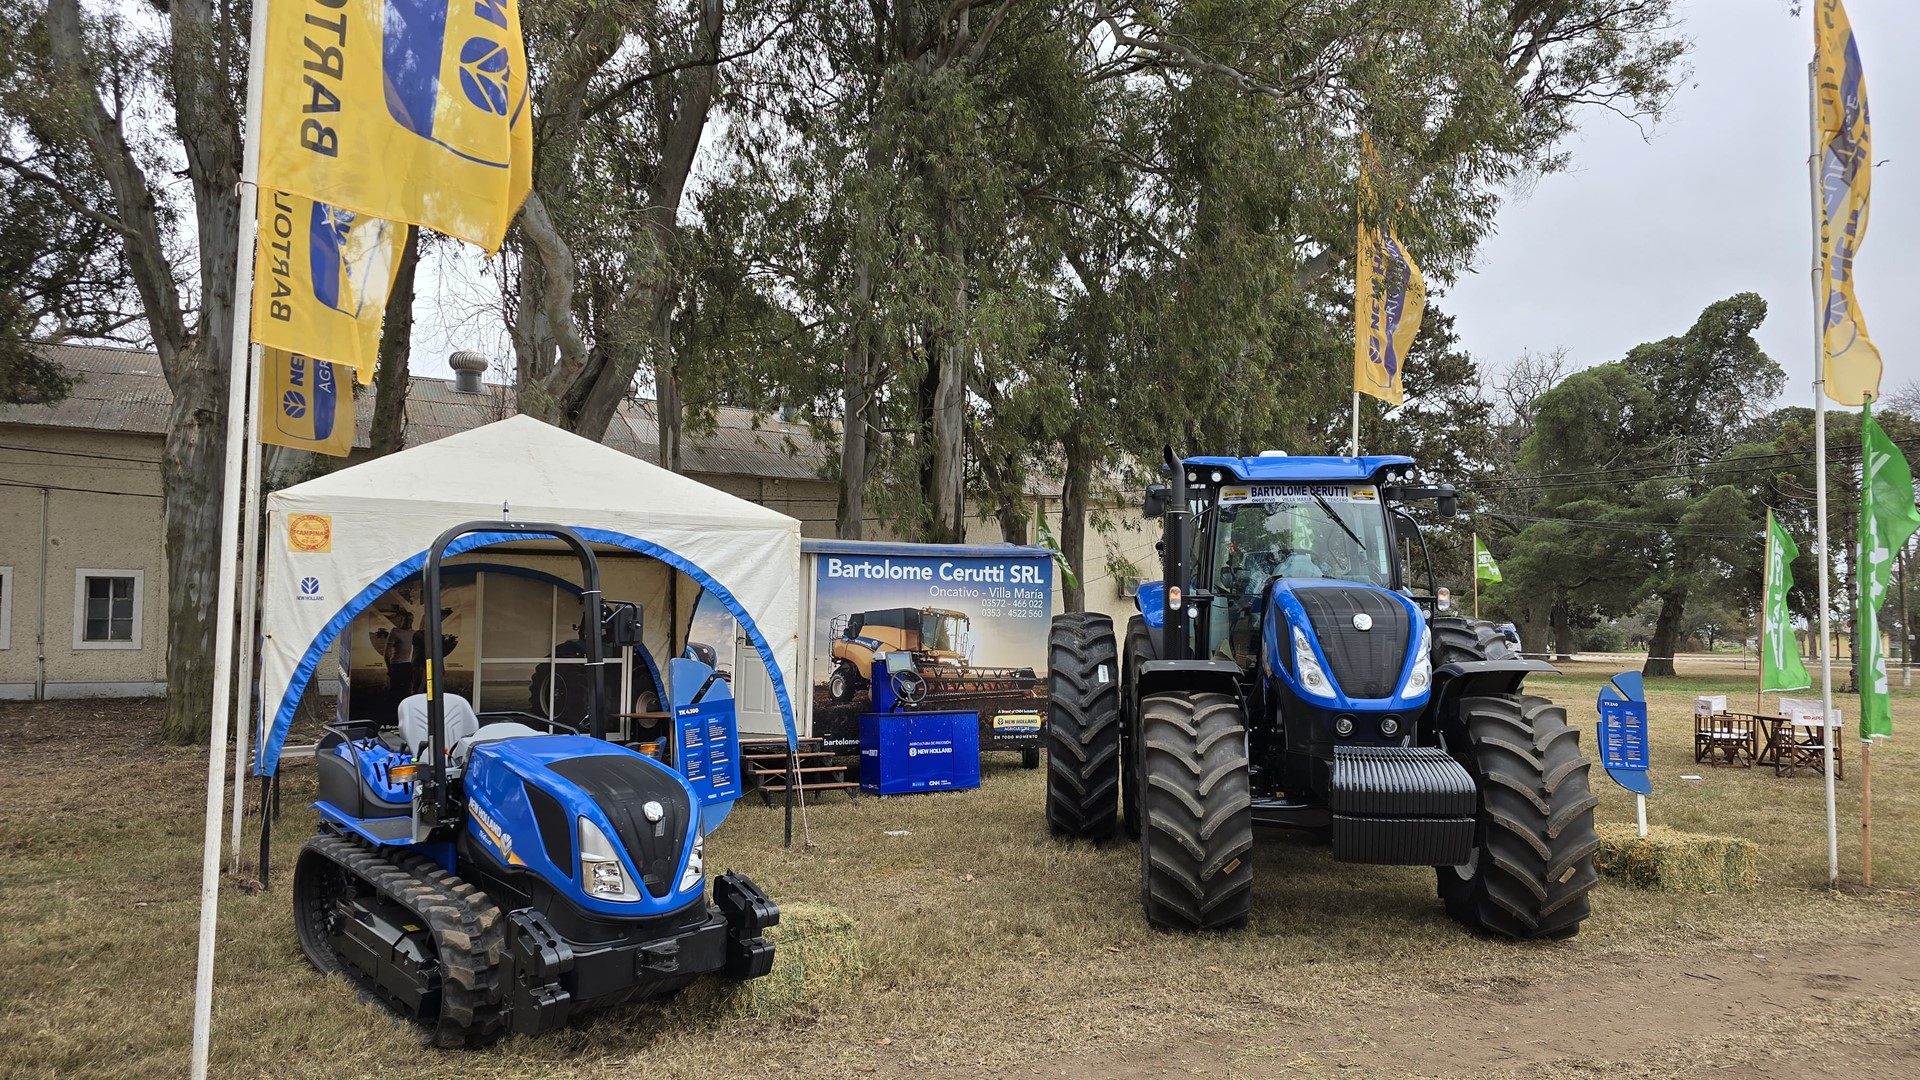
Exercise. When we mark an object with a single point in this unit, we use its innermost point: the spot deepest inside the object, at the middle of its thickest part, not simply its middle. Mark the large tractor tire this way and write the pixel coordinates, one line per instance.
(1196, 849)
(1459, 640)
(1534, 841)
(843, 682)
(1083, 728)
(1139, 647)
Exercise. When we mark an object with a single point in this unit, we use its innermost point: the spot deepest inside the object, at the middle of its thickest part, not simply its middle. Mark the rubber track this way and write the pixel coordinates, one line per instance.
(469, 935)
(1536, 837)
(1196, 851)
(1458, 640)
(1083, 728)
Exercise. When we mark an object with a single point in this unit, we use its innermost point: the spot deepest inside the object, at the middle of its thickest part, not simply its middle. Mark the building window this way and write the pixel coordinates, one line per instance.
(106, 609)
(6, 607)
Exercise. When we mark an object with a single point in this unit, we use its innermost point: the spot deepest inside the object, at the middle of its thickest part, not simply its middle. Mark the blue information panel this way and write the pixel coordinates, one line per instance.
(709, 750)
(1623, 732)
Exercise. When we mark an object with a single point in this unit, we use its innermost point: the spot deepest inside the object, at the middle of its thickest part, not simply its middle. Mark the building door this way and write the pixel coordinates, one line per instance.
(753, 701)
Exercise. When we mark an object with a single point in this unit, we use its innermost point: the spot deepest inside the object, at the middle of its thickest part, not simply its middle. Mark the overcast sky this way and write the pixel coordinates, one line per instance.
(1636, 238)
(1642, 233)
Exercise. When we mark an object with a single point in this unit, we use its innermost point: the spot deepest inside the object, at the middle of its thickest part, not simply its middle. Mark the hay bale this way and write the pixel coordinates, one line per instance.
(816, 954)
(1666, 860)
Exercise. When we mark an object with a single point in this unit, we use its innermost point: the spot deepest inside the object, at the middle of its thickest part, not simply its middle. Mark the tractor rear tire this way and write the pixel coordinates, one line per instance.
(1083, 728)
(1534, 840)
(1139, 647)
(1459, 640)
(1196, 851)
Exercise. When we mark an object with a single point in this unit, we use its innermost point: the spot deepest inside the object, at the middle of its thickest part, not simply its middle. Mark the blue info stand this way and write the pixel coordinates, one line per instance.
(904, 753)
(1623, 738)
(705, 739)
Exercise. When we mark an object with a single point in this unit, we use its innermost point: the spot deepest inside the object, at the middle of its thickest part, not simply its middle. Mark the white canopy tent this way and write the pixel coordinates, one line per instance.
(337, 544)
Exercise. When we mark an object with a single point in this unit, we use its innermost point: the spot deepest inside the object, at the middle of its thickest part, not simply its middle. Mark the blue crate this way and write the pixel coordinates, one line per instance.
(902, 753)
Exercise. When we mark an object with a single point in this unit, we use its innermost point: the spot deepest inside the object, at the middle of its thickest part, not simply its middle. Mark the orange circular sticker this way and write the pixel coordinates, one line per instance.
(310, 532)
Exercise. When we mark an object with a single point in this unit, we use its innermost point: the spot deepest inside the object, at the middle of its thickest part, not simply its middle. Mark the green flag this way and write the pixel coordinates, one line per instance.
(1887, 519)
(1484, 568)
(1780, 667)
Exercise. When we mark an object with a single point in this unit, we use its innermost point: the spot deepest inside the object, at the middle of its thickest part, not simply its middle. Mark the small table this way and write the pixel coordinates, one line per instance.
(1791, 745)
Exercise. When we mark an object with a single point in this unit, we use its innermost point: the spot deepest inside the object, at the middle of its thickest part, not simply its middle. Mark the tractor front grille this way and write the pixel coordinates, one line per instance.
(1366, 663)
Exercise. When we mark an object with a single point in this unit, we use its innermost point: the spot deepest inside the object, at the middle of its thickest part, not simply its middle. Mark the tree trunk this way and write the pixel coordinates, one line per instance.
(850, 523)
(1534, 628)
(396, 354)
(1073, 520)
(1561, 617)
(1666, 635)
(668, 405)
(947, 497)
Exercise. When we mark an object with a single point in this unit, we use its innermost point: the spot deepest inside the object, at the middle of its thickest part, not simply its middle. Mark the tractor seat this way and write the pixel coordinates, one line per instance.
(463, 727)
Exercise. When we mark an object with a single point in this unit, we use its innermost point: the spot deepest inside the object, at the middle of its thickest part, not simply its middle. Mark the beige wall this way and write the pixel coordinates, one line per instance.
(111, 522)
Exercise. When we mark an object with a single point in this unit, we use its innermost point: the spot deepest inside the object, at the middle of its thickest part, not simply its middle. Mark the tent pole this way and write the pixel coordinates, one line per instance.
(237, 406)
(249, 604)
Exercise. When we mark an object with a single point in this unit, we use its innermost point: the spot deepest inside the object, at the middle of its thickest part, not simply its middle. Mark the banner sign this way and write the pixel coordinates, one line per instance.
(305, 404)
(943, 628)
(708, 750)
(1623, 732)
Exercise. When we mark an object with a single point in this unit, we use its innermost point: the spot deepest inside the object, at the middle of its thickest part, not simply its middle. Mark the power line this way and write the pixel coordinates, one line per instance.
(80, 490)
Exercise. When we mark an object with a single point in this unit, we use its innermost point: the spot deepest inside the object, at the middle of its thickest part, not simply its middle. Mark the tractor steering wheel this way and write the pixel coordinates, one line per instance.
(910, 687)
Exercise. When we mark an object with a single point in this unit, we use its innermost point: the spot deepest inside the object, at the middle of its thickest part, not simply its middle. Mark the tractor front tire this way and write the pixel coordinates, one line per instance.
(1083, 728)
(1533, 840)
(1196, 849)
(844, 681)
(1459, 640)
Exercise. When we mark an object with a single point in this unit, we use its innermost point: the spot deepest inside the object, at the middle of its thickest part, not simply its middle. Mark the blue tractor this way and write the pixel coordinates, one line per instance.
(1282, 673)
(480, 875)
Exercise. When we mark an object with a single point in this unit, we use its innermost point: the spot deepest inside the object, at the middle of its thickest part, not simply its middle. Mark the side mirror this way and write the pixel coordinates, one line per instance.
(1449, 506)
(1156, 501)
(621, 621)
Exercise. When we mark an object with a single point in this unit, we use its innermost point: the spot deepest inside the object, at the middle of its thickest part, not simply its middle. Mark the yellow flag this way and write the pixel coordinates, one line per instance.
(1846, 174)
(406, 110)
(304, 403)
(321, 278)
(1389, 298)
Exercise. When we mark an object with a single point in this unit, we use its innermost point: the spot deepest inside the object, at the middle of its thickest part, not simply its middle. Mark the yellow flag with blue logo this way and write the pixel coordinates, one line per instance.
(415, 111)
(321, 278)
(1846, 175)
(305, 404)
(1389, 299)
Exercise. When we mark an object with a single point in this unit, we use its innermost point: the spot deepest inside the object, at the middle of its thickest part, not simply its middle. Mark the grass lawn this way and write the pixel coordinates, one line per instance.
(985, 943)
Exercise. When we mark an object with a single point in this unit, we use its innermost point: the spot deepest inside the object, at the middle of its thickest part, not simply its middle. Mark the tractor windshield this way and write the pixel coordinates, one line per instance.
(1340, 534)
(943, 631)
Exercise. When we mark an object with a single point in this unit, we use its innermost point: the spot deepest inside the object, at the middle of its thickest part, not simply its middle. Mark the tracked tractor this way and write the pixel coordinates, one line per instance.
(1283, 673)
(480, 875)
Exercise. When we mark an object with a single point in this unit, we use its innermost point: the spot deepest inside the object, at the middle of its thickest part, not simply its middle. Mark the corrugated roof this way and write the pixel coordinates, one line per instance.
(125, 390)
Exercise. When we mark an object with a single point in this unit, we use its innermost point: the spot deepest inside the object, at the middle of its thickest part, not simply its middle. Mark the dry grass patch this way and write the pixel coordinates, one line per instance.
(980, 939)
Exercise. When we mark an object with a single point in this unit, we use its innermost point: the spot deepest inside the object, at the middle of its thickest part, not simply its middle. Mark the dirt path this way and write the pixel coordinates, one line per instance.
(1853, 1011)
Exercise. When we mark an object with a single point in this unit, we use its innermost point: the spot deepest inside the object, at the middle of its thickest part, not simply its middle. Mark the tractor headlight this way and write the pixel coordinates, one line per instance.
(1422, 676)
(696, 864)
(600, 871)
(1306, 667)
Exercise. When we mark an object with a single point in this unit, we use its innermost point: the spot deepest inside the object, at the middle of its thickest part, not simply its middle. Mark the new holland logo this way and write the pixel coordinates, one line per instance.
(428, 47)
(310, 588)
(349, 259)
(306, 376)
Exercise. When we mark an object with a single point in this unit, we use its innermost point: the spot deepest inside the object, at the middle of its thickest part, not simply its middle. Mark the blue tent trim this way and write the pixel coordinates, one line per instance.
(269, 760)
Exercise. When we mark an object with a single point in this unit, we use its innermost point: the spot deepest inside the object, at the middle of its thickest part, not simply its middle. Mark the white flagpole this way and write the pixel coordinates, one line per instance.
(237, 406)
(1820, 467)
(249, 596)
(1355, 450)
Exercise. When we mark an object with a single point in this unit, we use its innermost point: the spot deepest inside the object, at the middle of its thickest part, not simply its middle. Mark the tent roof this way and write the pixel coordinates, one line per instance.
(539, 471)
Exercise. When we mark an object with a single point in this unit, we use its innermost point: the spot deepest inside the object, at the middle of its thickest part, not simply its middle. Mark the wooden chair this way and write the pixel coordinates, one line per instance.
(1797, 740)
(1725, 738)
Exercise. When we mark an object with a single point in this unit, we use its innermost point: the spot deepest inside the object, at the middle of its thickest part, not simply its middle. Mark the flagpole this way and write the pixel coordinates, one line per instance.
(1355, 448)
(237, 405)
(1767, 585)
(249, 603)
(1820, 468)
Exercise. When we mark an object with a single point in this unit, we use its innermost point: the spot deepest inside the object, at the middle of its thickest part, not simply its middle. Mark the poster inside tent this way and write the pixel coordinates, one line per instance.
(905, 629)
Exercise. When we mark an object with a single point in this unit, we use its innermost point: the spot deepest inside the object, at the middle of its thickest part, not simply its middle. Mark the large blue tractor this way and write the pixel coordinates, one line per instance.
(1282, 673)
(481, 875)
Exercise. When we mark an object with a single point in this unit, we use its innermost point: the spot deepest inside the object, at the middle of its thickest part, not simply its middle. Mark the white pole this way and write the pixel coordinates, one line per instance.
(1355, 450)
(1820, 467)
(249, 596)
(1640, 809)
(237, 404)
